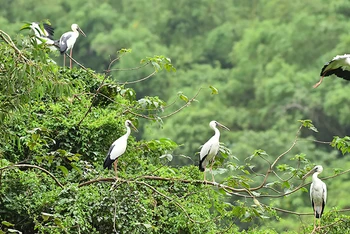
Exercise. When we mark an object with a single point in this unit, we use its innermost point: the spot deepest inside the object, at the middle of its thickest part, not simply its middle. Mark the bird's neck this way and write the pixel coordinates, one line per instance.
(315, 176)
(128, 131)
(217, 132)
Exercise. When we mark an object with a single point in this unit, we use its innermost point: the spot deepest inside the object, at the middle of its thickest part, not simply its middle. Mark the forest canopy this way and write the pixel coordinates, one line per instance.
(171, 67)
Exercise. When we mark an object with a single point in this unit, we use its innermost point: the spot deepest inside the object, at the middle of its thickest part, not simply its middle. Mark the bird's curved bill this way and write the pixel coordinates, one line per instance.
(223, 126)
(309, 173)
(133, 127)
(81, 32)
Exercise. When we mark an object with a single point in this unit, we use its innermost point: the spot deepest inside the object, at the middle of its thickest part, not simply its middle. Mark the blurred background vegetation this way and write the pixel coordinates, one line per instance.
(262, 56)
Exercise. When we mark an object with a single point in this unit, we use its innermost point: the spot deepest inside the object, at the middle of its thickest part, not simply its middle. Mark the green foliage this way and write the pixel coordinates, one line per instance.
(258, 59)
(343, 144)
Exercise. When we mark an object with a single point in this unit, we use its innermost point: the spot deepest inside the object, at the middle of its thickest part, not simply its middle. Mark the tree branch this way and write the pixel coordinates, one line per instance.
(37, 167)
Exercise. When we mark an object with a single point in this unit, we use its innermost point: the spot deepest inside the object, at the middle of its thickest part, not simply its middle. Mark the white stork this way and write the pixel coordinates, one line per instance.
(68, 40)
(318, 192)
(118, 148)
(210, 149)
(339, 66)
(44, 34)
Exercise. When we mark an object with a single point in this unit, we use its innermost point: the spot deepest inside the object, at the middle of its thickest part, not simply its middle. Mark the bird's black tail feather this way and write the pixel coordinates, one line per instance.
(108, 163)
(201, 168)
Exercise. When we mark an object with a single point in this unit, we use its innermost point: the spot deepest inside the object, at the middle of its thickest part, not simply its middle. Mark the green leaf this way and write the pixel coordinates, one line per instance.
(7, 224)
(213, 90)
(182, 96)
(63, 169)
(308, 124)
(342, 144)
(303, 189)
(147, 225)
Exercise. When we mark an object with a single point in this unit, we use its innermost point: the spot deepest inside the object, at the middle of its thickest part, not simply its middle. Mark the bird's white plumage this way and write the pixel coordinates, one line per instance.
(342, 61)
(118, 147)
(68, 39)
(42, 35)
(211, 148)
(339, 66)
(318, 191)
(67, 42)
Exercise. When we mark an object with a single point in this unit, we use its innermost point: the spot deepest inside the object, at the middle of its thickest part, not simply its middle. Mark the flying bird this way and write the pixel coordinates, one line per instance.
(118, 148)
(318, 192)
(210, 149)
(339, 66)
(68, 40)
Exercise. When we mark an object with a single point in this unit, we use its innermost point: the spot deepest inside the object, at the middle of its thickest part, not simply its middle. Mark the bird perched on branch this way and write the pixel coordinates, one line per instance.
(118, 148)
(318, 193)
(43, 32)
(211, 148)
(339, 66)
(67, 42)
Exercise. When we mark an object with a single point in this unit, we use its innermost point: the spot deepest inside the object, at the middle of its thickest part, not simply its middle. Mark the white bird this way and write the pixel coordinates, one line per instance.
(43, 33)
(68, 40)
(210, 149)
(339, 66)
(118, 148)
(318, 192)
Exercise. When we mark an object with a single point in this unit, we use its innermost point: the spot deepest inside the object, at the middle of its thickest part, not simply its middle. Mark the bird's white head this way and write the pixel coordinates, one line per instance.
(213, 124)
(76, 28)
(129, 124)
(317, 169)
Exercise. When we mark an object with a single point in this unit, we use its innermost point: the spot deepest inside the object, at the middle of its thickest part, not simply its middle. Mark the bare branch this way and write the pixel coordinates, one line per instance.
(137, 81)
(9, 41)
(186, 105)
(127, 69)
(270, 169)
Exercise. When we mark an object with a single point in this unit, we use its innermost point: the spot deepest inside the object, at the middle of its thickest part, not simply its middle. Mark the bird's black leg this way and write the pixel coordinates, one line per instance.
(64, 60)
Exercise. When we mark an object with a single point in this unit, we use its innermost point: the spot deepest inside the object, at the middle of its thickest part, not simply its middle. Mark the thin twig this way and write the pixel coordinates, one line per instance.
(34, 166)
(186, 105)
(169, 198)
(270, 169)
(9, 41)
(128, 69)
(137, 81)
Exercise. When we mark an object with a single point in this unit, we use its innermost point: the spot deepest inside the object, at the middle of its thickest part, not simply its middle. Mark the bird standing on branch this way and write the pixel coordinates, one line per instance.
(67, 42)
(318, 193)
(118, 148)
(210, 149)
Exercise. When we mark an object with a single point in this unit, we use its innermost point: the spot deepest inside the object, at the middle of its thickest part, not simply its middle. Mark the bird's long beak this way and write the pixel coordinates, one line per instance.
(309, 173)
(81, 32)
(223, 126)
(133, 127)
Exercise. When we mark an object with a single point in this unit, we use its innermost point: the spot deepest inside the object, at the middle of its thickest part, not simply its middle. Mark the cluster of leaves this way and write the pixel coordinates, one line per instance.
(51, 171)
(259, 55)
